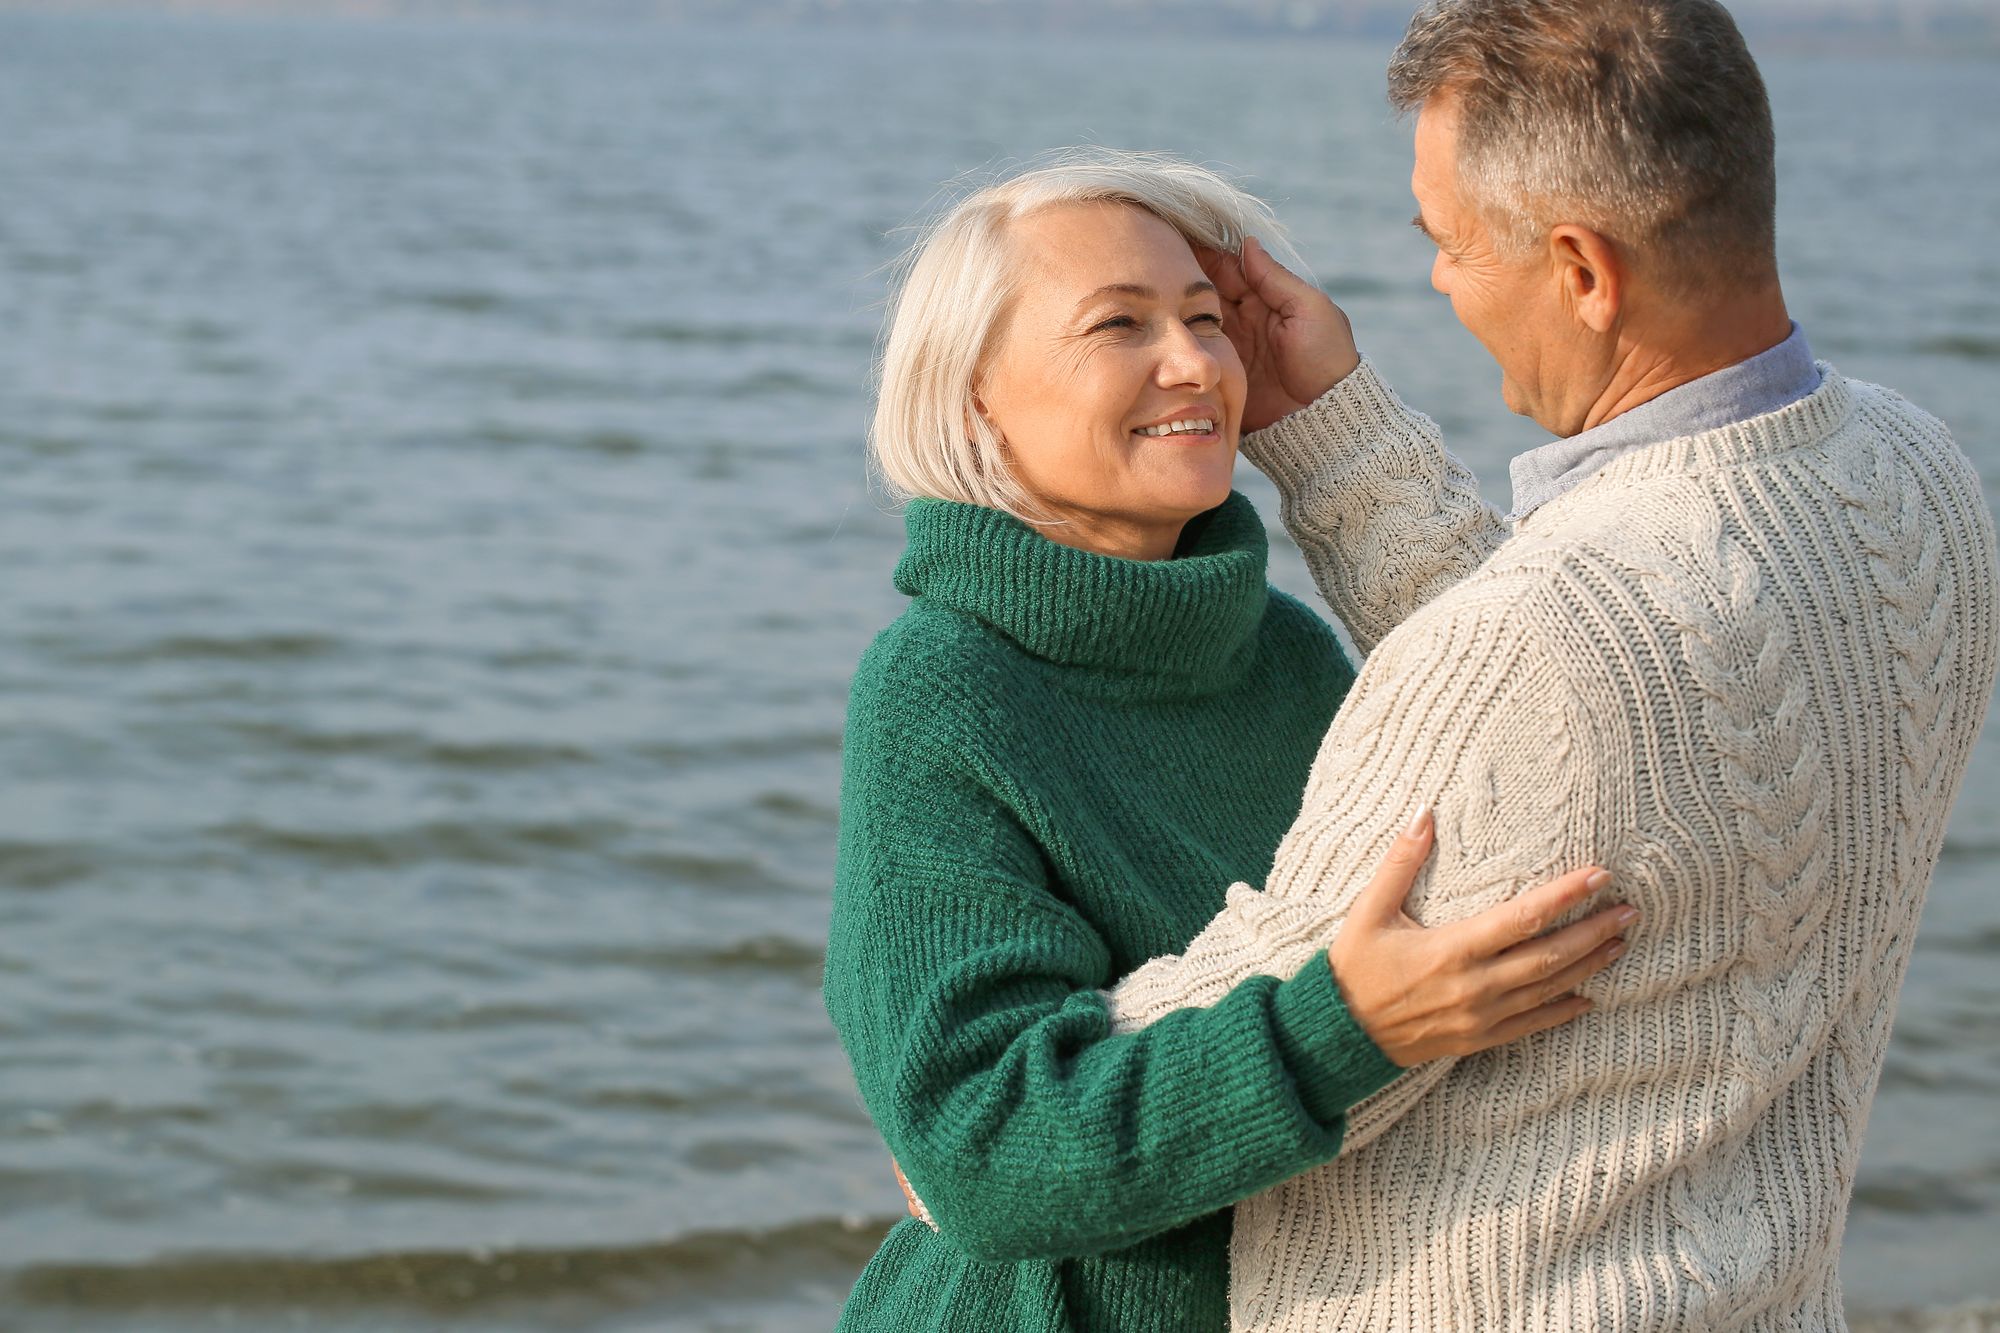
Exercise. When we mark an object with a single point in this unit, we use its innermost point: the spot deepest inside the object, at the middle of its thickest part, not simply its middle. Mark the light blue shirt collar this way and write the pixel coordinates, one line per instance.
(1766, 382)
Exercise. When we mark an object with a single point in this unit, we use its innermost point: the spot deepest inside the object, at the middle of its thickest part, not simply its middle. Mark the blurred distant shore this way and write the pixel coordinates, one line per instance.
(1918, 27)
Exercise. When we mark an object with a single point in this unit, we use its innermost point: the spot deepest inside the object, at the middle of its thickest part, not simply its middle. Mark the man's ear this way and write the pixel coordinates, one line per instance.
(1592, 274)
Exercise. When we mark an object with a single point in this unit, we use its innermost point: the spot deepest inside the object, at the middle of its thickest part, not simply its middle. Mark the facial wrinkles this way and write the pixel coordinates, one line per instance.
(1144, 338)
(1073, 350)
(1467, 241)
(1064, 391)
(1061, 361)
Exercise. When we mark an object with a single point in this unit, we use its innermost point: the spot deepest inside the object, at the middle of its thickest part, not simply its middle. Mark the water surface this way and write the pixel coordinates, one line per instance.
(437, 543)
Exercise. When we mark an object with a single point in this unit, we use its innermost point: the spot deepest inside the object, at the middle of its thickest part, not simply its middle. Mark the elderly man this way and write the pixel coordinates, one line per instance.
(1735, 645)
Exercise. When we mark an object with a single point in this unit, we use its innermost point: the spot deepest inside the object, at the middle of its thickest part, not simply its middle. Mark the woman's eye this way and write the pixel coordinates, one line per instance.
(1214, 321)
(1117, 322)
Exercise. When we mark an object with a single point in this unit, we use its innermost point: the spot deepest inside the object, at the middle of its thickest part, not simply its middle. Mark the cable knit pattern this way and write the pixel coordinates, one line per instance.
(1384, 537)
(1744, 670)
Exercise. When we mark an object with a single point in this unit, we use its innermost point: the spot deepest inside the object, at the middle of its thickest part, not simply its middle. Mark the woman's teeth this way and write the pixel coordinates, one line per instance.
(1195, 426)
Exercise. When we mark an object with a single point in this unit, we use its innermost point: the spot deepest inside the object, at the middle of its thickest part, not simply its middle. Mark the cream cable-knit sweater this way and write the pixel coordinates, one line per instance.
(1744, 670)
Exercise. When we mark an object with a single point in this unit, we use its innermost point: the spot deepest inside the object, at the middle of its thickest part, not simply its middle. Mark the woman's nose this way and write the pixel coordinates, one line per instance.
(1189, 359)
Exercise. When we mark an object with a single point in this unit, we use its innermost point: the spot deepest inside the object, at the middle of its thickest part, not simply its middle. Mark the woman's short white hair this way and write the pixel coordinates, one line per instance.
(955, 283)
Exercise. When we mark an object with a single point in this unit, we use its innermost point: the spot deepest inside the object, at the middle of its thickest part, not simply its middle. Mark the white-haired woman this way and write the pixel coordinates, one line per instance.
(1093, 717)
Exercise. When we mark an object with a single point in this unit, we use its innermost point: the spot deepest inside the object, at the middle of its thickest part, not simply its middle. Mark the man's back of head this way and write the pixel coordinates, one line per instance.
(1647, 119)
(1600, 179)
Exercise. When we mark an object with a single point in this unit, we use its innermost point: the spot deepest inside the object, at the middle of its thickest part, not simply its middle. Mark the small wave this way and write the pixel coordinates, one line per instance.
(123, 412)
(789, 806)
(433, 1017)
(458, 300)
(1919, 1194)
(1969, 849)
(729, 1156)
(762, 953)
(766, 953)
(424, 1122)
(49, 446)
(99, 1115)
(199, 331)
(530, 382)
(43, 865)
(610, 443)
(273, 647)
(720, 872)
(1980, 1317)
(1971, 346)
(773, 382)
(227, 367)
(291, 1179)
(784, 746)
(615, 443)
(32, 262)
(492, 842)
(1348, 286)
(466, 1280)
(645, 1098)
(741, 335)
(819, 1105)
(1983, 943)
(216, 412)
(482, 756)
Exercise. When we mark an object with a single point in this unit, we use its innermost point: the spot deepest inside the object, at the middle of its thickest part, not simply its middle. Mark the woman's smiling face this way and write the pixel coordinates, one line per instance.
(1111, 348)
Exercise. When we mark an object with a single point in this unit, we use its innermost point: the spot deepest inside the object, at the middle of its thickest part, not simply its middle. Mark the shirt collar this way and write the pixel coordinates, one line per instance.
(1766, 382)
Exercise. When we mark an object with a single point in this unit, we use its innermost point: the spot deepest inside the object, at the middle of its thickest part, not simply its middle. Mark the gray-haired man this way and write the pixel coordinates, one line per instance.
(1735, 646)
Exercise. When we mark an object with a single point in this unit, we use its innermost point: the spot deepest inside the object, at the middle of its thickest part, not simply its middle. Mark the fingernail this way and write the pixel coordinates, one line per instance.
(1617, 951)
(1628, 916)
(1599, 879)
(1423, 818)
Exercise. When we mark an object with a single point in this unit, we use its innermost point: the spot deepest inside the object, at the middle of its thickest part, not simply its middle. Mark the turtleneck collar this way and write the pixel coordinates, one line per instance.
(1185, 625)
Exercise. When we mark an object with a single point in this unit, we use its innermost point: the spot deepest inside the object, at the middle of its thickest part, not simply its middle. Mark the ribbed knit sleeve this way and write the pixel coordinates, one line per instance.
(966, 991)
(1459, 708)
(1385, 517)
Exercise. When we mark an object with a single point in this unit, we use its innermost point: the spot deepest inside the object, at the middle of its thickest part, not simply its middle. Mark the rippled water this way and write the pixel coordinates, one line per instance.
(436, 543)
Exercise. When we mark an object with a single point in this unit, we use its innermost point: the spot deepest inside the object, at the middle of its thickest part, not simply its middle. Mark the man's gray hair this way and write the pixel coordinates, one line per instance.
(1645, 120)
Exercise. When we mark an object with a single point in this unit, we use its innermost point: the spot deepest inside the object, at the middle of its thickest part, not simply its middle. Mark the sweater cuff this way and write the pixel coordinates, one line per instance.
(1333, 1063)
(1329, 431)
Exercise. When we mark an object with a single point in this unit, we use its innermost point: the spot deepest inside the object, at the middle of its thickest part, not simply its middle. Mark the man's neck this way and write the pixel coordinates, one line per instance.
(1698, 344)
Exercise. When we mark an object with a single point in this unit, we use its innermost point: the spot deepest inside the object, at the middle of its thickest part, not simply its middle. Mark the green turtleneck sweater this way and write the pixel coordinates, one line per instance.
(1056, 763)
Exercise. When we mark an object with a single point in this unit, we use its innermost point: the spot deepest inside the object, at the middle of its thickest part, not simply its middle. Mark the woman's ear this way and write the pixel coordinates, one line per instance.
(983, 413)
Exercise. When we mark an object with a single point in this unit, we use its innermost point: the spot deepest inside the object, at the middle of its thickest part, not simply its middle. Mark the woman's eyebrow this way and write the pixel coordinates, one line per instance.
(1142, 291)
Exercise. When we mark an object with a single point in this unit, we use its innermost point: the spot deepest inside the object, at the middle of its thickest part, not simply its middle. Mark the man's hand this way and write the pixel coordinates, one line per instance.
(1423, 994)
(1295, 343)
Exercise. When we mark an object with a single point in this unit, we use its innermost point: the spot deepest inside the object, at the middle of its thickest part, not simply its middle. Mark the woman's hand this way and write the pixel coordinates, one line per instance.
(1452, 990)
(1294, 342)
(915, 1205)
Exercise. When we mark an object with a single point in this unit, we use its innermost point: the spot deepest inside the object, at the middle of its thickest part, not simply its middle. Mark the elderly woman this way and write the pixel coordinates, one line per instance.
(1093, 717)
